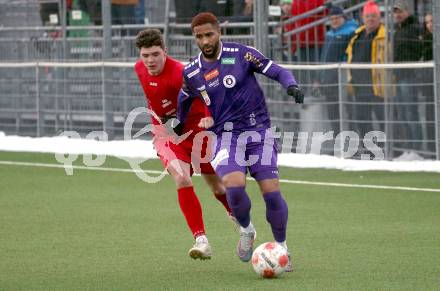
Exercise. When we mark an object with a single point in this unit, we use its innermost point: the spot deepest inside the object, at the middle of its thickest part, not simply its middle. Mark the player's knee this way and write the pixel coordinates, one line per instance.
(271, 185)
(218, 189)
(182, 181)
(235, 179)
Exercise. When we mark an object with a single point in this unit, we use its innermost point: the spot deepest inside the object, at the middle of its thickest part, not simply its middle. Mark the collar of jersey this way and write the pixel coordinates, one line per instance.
(218, 57)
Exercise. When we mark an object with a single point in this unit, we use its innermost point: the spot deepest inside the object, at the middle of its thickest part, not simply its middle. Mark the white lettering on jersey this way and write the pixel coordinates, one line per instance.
(154, 84)
(171, 112)
(165, 103)
(193, 73)
(252, 119)
(214, 83)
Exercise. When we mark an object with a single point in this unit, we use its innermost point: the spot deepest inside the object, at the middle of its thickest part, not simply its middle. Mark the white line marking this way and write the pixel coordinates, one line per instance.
(121, 170)
(359, 186)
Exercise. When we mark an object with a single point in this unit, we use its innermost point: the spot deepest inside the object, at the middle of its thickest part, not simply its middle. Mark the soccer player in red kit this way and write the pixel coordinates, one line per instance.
(161, 79)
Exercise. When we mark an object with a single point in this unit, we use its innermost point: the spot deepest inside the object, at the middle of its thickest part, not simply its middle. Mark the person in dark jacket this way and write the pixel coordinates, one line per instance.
(427, 38)
(407, 48)
(428, 79)
(333, 51)
(337, 38)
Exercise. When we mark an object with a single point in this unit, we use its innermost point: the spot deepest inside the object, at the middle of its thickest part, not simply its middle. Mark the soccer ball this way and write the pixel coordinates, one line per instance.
(270, 260)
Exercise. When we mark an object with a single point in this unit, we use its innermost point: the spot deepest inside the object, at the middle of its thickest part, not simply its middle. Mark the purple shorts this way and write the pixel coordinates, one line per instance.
(253, 151)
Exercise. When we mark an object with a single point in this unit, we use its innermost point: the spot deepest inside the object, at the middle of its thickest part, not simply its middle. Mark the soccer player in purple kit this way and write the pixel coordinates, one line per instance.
(223, 75)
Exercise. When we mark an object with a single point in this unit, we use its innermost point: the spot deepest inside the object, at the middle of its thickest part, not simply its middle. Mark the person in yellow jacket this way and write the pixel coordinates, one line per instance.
(367, 86)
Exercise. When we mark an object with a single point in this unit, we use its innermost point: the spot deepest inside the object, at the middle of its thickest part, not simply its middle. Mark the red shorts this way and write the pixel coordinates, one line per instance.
(168, 151)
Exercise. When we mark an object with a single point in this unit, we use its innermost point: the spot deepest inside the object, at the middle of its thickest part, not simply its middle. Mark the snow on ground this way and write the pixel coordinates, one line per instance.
(144, 149)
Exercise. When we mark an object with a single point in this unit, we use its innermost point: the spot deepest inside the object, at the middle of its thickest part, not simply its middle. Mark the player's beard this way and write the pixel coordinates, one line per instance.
(214, 50)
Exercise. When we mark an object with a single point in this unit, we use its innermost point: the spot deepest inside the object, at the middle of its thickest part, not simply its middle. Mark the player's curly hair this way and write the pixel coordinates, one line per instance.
(148, 38)
(204, 18)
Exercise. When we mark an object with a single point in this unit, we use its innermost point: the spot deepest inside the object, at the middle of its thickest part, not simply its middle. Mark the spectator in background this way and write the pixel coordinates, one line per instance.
(427, 38)
(286, 13)
(367, 85)
(241, 11)
(337, 38)
(219, 7)
(123, 11)
(307, 44)
(333, 51)
(140, 12)
(185, 10)
(428, 79)
(407, 48)
(93, 9)
(286, 7)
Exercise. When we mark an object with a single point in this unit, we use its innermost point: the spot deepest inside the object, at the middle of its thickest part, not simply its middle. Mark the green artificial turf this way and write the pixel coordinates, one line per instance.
(101, 230)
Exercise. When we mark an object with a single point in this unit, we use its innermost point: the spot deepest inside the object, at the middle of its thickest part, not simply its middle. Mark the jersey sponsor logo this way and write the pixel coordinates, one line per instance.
(154, 84)
(229, 81)
(206, 97)
(228, 61)
(253, 59)
(193, 73)
(211, 75)
(214, 83)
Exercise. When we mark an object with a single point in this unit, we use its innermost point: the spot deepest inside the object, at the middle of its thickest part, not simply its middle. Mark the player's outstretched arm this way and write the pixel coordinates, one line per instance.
(263, 65)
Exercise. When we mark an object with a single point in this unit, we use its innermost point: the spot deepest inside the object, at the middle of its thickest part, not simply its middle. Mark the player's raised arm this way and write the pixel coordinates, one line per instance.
(263, 65)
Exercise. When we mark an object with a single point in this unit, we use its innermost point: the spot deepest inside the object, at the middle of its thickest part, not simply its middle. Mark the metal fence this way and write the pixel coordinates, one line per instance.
(43, 99)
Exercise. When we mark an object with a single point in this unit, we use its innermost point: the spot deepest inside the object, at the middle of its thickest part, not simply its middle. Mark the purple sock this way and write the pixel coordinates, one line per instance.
(276, 214)
(240, 204)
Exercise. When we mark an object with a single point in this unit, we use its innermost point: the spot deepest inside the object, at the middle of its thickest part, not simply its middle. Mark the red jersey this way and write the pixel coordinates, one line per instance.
(311, 37)
(161, 92)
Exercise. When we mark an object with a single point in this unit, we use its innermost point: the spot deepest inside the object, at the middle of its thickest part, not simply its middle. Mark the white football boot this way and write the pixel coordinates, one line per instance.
(201, 249)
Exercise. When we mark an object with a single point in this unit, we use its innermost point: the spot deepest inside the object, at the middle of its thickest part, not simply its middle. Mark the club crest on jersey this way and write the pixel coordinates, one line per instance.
(211, 75)
(206, 97)
(229, 81)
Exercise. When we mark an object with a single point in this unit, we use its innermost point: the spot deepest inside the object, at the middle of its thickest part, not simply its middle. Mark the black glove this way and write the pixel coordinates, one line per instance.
(172, 124)
(296, 93)
(177, 126)
(178, 129)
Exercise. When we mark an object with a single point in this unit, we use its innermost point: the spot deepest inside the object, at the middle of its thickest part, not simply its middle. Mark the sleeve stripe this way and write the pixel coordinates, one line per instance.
(267, 67)
(184, 93)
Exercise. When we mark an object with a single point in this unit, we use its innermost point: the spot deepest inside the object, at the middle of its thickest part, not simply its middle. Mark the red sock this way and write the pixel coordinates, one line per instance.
(222, 199)
(190, 206)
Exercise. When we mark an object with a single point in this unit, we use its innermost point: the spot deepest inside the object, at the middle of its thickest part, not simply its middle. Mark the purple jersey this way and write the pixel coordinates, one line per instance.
(229, 87)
